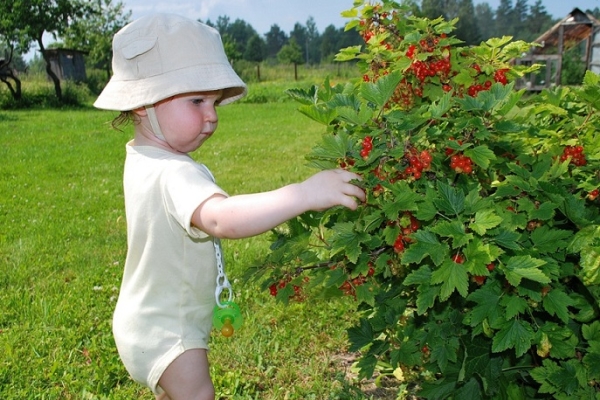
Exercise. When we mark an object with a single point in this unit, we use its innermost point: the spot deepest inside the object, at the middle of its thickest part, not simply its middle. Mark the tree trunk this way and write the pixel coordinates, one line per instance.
(295, 71)
(258, 71)
(51, 74)
(6, 73)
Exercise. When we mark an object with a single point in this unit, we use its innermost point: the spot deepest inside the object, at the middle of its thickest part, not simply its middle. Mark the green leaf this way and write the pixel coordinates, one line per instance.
(451, 200)
(321, 114)
(426, 298)
(426, 244)
(455, 230)
(440, 108)
(513, 334)
(485, 220)
(471, 390)
(347, 240)
(481, 155)
(379, 92)
(514, 305)
(548, 240)
(592, 364)
(544, 212)
(452, 276)
(508, 239)
(519, 267)
(332, 147)
(418, 276)
(360, 336)
(364, 294)
(487, 299)
(556, 302)
(590, 266)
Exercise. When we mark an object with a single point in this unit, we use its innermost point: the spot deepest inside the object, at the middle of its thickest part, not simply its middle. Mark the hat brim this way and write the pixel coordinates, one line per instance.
(122, 95)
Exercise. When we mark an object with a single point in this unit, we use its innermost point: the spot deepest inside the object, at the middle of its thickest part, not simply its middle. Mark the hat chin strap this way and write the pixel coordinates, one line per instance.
(154, 122)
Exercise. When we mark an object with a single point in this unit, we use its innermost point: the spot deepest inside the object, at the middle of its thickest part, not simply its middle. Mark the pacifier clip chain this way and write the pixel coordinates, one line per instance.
(226, 315)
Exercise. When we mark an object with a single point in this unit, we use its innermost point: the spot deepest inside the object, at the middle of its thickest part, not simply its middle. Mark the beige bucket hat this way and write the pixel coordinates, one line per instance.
(163, 55)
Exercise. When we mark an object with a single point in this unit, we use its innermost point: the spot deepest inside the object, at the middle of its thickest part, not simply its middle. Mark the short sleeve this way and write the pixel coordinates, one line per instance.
(185, 187)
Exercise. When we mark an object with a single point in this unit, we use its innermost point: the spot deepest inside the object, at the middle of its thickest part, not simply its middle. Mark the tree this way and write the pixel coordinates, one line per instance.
(94, 34)
(255, 49)
(300, 36)
(240, 32)
(313, 39)
(291, 53)
(275, 40)
(466, 27)
(330, 41)
(538, 20)
(484, 15)
(26, 22)
(504, 14)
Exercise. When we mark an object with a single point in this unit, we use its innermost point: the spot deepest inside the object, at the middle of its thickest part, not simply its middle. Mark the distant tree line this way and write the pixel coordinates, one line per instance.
(89, 25)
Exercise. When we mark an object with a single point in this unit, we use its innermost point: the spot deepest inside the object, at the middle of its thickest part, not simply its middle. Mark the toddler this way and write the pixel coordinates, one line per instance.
(170, 74)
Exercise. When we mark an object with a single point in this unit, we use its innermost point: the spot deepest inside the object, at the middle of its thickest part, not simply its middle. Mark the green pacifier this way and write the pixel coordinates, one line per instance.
(227, 317)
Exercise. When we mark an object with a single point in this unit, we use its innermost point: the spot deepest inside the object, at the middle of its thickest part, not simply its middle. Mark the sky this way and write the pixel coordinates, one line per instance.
(262, 14)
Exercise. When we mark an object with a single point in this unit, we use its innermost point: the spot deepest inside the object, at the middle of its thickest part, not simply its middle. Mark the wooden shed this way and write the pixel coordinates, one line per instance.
(575, 28)
(67, 64)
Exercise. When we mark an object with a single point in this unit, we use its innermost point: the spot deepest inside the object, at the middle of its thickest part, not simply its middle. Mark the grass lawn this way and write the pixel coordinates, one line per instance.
(62, 247)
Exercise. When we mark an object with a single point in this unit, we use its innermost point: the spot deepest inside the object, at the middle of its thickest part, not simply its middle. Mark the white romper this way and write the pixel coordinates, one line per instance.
(167, 294)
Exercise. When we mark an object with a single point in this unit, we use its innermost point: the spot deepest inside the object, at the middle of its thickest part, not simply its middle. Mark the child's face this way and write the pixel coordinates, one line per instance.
(188, 120)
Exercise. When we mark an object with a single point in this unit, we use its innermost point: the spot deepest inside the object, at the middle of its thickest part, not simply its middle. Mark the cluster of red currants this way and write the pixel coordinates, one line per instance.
(367, 146)
(349, 286)
(499, 76)
(298, 294)
(411, 226)
(418, 162)
(593, 194)
(461, 163)
(576, 155)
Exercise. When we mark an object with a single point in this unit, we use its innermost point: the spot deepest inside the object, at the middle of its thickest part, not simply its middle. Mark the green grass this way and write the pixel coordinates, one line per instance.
(62, 246)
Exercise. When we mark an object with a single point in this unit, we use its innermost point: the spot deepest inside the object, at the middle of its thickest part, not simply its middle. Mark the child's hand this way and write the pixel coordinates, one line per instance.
(331, 188)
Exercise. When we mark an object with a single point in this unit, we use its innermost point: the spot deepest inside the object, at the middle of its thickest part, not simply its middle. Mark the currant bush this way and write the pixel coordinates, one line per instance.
(475, 260)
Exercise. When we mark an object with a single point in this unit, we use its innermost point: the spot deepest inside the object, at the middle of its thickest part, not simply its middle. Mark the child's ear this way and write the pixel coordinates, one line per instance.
(140, 112)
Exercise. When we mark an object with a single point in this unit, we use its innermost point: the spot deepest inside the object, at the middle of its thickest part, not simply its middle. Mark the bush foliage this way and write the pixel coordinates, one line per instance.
(475, 261)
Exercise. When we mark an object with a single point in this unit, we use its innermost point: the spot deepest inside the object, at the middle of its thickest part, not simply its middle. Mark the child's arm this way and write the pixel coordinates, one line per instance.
(251, 214)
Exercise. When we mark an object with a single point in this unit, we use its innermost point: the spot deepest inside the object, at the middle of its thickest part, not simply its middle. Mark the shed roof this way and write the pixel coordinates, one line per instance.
(577, 26)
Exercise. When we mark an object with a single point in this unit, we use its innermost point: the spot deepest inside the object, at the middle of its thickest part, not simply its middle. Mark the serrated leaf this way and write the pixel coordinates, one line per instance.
(485, 220)
(426, 298)
(453, 276)
(379, 92)
(361, 335)
(455, 230)
(487, 299)
(590, 265)
(544, 212)
(556, 302)
(441, 107)
(364, 294)
(513, 334)
(507, 239)
(514, 306)
(306, 97)
(592, 364)
(321, 114)
(439, 390)
(332, 147)
(548, 240)
(345, 239)
(527, 267)
(353, 116)
(451, 201)
(426, 244)
(481, 155)
(418, 276)
(471, 390)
